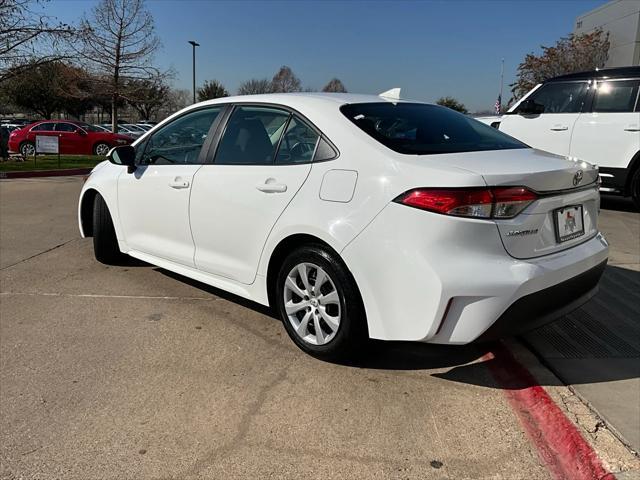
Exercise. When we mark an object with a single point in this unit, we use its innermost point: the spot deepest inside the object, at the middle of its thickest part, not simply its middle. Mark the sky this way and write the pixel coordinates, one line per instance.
(429, 48)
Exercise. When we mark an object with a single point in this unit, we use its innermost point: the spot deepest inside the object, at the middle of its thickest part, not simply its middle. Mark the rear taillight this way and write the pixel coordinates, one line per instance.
(496, 202)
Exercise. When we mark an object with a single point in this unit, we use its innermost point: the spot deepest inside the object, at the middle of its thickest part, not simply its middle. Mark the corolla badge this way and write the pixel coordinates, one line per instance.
(577, 178)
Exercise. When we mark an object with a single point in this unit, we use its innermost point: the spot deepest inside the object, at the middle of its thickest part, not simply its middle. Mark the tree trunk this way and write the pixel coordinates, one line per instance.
(114, 113)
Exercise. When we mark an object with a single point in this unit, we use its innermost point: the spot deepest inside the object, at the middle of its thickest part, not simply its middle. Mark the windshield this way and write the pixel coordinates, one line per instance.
(422, 129)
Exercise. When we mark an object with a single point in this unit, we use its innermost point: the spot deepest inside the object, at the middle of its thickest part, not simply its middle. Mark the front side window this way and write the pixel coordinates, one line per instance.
(43, 127)
(298, 143)
(561, 97)
(422, 129)
(65, 127)
(616, 96)
(180, 141)
(251, 136)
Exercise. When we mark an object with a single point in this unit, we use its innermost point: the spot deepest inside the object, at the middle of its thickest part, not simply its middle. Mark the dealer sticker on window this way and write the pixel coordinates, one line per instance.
(569, 223)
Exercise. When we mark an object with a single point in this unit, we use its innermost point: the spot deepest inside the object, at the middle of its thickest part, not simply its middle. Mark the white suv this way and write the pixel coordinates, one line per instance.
(593, 116)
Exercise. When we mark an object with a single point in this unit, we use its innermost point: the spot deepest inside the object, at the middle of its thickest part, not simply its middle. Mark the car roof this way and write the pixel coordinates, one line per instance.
(620, 72)
(306, 99)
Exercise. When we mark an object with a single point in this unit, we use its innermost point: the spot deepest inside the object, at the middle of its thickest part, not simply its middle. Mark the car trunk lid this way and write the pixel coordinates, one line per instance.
(566, 210)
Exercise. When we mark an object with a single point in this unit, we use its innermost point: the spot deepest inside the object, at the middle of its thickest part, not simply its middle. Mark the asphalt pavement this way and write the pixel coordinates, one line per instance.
(133, 372)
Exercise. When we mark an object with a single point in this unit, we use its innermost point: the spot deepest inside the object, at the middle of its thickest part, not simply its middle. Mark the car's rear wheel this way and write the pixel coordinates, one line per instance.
(27, 149)
(635, 188)
(101, 149)
(319, 303)
(105, 242)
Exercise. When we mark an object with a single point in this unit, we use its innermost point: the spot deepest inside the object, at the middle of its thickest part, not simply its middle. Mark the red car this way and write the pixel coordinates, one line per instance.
(74, 138)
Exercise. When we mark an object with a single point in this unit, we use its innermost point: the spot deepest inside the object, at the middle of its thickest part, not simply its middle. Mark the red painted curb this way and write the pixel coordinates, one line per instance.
(46, 173)
(560, 445)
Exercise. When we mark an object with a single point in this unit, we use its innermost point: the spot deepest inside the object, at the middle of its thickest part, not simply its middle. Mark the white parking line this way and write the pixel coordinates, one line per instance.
(95, 295)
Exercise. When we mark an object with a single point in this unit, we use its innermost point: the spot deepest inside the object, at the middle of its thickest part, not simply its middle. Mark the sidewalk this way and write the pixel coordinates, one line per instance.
(596, 349)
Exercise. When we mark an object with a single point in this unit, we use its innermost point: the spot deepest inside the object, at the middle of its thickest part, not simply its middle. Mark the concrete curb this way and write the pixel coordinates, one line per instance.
(46, 173)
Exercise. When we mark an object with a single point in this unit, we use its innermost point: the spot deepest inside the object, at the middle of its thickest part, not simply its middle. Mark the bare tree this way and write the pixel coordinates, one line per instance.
(179, 99)
(29, 38)
(211, 89)
(255, 86)
(575, 53)
(285, 81)
(334, 85)
(118, 42)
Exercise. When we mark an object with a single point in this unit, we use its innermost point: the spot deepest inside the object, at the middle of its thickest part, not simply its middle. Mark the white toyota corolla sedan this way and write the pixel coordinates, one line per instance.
(355, 216)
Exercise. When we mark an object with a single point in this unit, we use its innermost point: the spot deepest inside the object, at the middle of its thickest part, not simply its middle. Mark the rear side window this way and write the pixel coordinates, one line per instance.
(251, 136)
(65, 127)
(421, 129)
(298, 144)
(616, 96)
(561, 97)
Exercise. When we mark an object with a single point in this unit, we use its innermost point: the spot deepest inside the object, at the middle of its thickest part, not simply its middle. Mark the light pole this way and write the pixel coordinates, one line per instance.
(194, 45)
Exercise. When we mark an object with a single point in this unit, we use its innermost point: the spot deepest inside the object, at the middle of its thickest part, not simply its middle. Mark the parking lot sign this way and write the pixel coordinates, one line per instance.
(47, 144)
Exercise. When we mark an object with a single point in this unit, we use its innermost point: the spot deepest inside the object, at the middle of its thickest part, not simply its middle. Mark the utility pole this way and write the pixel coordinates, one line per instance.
(194, 45)
(501, 82)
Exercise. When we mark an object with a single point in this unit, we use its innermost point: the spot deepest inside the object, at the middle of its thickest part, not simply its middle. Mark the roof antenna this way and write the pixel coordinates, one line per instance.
(393, 94)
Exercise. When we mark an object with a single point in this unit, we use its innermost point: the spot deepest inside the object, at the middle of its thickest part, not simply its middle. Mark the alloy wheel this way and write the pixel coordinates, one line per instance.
(102, 149)
(312, 304)
(28, 149)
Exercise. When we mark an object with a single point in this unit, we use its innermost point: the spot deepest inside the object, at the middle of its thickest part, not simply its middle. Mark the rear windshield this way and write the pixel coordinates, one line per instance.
(422, 129)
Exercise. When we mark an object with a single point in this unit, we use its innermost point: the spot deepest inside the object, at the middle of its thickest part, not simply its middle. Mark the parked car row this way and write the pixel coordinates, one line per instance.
(592, 116)
(74, 138)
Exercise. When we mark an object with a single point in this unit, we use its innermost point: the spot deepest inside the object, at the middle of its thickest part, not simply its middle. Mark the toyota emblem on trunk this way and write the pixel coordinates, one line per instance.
(577, 178)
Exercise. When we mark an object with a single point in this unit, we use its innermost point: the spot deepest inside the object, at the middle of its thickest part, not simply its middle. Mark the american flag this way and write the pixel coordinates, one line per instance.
(498, 105)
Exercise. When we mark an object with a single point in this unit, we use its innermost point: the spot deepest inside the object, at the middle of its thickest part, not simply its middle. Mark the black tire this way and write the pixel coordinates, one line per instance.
(105, 242)
(101, 148)
(352, 332)
(635, 188)
(27, 145)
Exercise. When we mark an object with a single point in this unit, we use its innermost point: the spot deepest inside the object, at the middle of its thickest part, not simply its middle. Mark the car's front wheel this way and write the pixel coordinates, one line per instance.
(105, 242)
(27, 149)
(319, 303)
(101, 149)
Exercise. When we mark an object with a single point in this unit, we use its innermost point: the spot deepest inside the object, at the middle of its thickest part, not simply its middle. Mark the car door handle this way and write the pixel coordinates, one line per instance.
(559, 128)
(272, 187)
(179, 183)
(632, 128)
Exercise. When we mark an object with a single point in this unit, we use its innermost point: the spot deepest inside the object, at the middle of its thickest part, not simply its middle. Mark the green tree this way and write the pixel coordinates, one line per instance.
(47, 88)
(285, 81)
(147, 97)
(453, 104)
(575, 53)
(210, 90)
(334, 85)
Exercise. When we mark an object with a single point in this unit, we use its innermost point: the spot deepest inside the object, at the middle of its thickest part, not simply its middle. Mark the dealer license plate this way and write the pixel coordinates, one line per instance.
(569, 223)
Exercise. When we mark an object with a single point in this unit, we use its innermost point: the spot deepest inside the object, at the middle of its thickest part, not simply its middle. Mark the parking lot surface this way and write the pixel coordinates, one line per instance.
(134, 372)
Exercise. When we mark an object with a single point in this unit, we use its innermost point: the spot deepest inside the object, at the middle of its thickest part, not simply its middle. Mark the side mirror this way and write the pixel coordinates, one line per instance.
(123, 155)
(530, 107)
(80, 131)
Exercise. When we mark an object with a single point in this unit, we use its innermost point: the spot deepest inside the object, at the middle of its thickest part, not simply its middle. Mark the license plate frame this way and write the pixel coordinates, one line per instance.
(561, 228)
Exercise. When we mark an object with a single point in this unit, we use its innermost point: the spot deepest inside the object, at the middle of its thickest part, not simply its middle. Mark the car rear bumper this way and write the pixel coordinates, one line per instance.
(544, 306)
(432, 278)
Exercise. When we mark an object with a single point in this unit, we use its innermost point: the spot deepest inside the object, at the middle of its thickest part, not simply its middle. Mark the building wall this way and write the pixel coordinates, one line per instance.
(621, 18)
